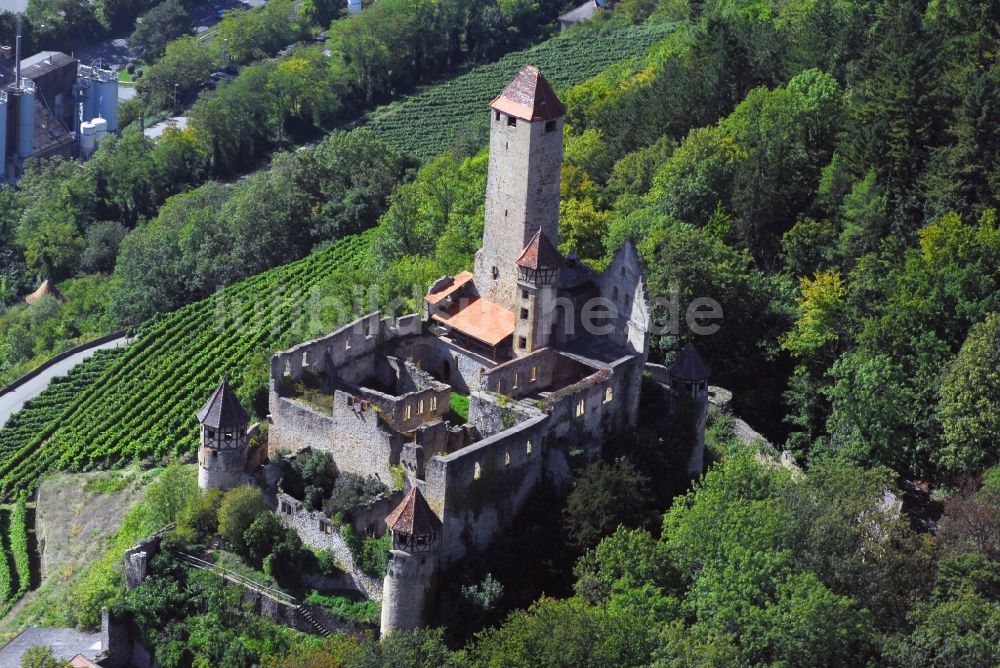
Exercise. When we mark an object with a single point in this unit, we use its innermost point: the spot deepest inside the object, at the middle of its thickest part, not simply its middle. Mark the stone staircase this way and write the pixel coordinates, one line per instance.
(318, 627)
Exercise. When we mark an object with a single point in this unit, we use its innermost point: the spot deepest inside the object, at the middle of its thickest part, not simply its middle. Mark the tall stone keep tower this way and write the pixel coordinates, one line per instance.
(522, 186)
(412, 563)
(689, 381)
(223, 452)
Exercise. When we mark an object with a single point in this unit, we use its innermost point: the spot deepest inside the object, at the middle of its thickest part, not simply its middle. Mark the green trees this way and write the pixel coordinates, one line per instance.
(163, 23)
(969, 407)
(605, 496)
(238, 510)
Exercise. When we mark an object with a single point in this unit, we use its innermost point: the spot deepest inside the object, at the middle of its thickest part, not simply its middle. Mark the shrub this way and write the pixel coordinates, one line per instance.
(351, 491)
(239, 508)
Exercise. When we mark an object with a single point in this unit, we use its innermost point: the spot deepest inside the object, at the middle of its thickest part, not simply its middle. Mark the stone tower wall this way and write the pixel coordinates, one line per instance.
(407, 583)
(522, 196)
(221, 469)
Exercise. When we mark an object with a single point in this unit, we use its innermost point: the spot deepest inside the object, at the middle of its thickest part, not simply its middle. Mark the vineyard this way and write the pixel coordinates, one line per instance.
(428, 123)
(15, 562)
(139, 401)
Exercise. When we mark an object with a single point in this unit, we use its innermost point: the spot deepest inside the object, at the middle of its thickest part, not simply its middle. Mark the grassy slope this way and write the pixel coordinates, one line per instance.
(430, 122)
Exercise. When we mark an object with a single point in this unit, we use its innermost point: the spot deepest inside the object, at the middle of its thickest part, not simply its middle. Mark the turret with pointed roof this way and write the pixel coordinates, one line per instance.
(223, 452)
(223, 410)
(413, 524)
(689, 366)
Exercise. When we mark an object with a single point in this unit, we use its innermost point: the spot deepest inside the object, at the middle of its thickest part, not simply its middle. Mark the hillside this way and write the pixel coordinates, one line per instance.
(139, 401)
(433, 120)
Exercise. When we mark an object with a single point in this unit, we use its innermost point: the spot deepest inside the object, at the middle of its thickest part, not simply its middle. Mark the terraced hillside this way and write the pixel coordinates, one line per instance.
(138, 401)
(428, 123)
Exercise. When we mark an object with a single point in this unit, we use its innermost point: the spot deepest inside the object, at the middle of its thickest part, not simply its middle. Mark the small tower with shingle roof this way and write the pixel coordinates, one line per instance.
(412, 563)
(537, 280)
(522, 183)
(689, 380)
(222, 455)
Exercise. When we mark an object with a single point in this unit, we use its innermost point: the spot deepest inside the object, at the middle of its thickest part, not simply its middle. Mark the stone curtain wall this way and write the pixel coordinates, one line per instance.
(307, 526)
(601, 416)
(344, 345)
(622, 283)
(459, 368)
(356, 439)
(513, 378)
(478, 490)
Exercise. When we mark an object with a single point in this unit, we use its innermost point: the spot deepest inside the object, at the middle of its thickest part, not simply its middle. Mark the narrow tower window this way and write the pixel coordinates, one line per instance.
(550, 126)
(511, 121)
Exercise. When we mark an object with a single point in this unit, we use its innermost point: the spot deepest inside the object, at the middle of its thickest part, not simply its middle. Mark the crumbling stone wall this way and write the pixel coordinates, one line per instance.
(523, 376)
(622, 284)
(478, 490)
(318, 532)
(136, 561)
(351, 433)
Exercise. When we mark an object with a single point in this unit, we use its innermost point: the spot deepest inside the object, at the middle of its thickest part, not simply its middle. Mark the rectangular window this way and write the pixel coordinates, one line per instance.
(409, 411)
(550, 126)
(434, 403)
(522, 342)
(534, 374)
(511, 121)
(517, 380)
(420, 407)
(524, 294)
(581, 407)
(609, 394)
(524, 314)
(497, 117)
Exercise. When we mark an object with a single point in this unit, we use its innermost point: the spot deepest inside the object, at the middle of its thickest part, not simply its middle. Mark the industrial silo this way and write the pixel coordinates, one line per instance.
(25, 118)
(88, 97)
(107, 86)
(100, 130)
(88, 139)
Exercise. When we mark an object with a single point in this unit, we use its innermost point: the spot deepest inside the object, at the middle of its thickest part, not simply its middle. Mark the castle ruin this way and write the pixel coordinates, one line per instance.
(548, 352)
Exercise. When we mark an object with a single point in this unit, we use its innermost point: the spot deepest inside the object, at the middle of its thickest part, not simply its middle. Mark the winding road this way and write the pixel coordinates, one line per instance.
(12, 402)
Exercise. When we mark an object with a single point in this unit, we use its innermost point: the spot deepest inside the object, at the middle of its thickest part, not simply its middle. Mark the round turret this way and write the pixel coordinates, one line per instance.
(222, 455)
(412, 563)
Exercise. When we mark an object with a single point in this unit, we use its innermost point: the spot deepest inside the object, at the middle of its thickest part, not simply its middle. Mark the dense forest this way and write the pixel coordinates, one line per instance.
(827, 170)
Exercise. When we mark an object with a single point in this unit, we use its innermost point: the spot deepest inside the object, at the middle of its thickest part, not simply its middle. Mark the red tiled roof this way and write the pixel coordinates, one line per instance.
(540, 254)
(223, 410)
(480, 319)
(530, 97)
(456, 283)
(413, 516)
(46, 288)
(689, 366)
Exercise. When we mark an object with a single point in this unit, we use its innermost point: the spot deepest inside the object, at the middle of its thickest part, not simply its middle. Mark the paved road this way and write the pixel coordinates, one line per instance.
(65, 643)
(12, 402)
(156, 131)
(13, 5)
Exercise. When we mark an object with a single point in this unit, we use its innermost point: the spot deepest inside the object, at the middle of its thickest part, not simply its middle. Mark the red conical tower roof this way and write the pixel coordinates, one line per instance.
(530, 97)
(46, 288)
(540, 254)
(413, 516)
